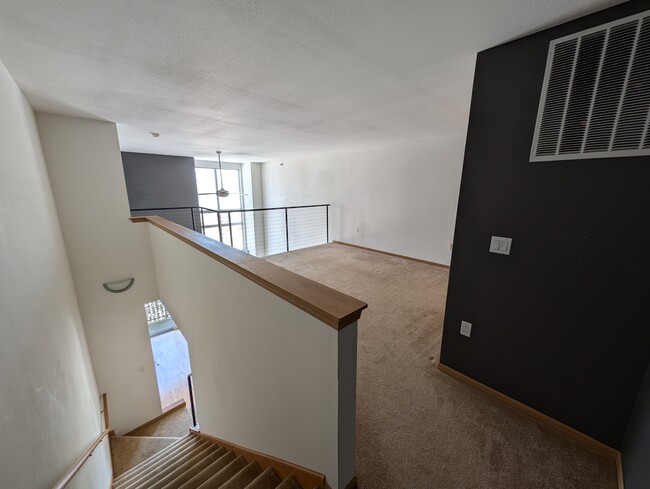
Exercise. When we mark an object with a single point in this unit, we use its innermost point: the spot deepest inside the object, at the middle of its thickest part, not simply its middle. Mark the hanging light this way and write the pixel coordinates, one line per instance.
(222, 192)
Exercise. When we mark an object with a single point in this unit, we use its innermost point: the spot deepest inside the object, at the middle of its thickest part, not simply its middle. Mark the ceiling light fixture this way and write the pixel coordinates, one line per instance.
(222, 192)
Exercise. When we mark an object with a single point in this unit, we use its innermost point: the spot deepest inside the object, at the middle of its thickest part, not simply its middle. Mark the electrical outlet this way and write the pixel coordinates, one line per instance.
(466, 328)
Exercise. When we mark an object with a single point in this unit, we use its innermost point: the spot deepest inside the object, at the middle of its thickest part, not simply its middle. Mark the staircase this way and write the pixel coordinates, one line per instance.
(194, 462)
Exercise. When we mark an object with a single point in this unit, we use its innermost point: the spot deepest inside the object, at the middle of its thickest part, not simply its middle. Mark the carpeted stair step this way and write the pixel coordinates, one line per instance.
(194, 470)
(290, 483)
(208, 472)
(129, 451)
(158, 471)
(268, 479)
(198, 463)
(166, 454)
(244, 477)
(191, 467)
(186, 439)
(225, 474)
(161, 459)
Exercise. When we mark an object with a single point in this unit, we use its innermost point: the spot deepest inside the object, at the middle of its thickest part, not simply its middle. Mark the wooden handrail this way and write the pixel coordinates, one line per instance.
(330, 306)
(107, 421)
(65, 480)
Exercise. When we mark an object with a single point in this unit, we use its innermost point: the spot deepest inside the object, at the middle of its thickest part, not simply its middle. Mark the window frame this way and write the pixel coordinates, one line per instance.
(234, 224)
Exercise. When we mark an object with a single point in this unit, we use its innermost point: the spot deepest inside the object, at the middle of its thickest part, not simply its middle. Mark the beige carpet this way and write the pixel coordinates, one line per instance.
(128, 451)
(417, 428)
(176, 424)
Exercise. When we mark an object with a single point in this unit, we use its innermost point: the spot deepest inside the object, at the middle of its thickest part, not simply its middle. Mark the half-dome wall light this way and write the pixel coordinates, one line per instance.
(118, 286)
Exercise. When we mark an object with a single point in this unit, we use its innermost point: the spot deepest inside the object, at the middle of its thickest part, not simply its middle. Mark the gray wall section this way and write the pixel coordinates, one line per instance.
(158, 181)
(636, 447)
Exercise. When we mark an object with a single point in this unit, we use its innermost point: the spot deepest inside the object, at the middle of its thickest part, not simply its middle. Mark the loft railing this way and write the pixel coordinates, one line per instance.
(260, 232)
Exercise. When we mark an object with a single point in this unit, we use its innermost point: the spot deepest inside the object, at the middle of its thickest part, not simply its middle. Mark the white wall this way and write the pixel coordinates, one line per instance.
(85, 166)
(403, 199)
(49, 403)
(267, 375)
(253, 199)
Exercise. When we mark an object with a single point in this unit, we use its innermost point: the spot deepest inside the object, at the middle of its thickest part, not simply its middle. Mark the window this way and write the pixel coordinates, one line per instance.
(226, 227)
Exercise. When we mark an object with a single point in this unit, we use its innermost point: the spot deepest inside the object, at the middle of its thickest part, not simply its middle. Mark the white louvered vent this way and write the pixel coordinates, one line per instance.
(596, 95)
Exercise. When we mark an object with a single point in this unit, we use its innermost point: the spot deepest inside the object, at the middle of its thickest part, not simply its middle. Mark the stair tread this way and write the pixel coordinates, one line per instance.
(244, 477)
(155, 473)
(289, 483)
(155, 462)
(161, 453)
(209, 471)
(164, 455)
(268, 479)
(228, 472)
(128, 451)
(190, 468)
(194, 462)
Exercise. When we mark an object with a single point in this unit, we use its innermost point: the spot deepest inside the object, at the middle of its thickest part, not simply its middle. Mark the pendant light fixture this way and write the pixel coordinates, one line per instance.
(222, 192)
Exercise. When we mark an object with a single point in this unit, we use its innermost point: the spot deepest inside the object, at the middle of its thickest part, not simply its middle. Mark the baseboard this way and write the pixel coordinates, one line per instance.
(619, 471)
(584, 440)
(174, 407)
(306, 477)
(168, 410)
(392, 254)
(352, 484)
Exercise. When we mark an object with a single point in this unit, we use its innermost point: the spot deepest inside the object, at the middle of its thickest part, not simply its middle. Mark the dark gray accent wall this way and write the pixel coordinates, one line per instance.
(636, 447)
(159, 180)
(562, 323)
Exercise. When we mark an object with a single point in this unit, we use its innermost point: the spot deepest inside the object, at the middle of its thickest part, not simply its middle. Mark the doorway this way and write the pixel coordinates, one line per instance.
(170, 354)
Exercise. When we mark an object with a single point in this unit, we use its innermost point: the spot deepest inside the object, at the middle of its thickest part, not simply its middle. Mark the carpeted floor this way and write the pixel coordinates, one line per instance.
(176, 423)
(417, 428)
(128, 451)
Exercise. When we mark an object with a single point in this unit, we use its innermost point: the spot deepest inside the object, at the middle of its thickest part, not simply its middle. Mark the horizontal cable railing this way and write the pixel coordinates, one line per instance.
(260, 232)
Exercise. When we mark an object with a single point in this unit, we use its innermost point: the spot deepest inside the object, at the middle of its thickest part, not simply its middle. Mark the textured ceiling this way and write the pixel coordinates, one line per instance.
(263, 79)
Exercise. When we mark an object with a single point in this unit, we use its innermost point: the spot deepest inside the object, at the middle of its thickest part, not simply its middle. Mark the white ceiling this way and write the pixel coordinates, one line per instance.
(263, 80)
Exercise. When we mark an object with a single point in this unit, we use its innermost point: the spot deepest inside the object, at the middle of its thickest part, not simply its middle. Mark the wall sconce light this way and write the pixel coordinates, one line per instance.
(118, 286)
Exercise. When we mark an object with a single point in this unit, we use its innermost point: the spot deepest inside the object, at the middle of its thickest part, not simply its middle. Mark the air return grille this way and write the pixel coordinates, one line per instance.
(596, 94)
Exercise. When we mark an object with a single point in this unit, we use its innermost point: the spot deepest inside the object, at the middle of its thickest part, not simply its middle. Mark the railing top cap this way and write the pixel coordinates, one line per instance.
(330, 306)
(149, 209)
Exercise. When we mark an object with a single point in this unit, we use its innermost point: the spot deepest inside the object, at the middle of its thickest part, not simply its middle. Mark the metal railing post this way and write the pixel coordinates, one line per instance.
(327, 223)
(191, 388)
(202, 222)
(219, 225)
(286, 225)
(193, 223)
(230, 227)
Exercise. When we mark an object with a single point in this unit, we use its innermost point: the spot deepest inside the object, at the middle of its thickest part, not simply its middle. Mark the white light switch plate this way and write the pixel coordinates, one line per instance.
(466, 328)
(500, 245)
